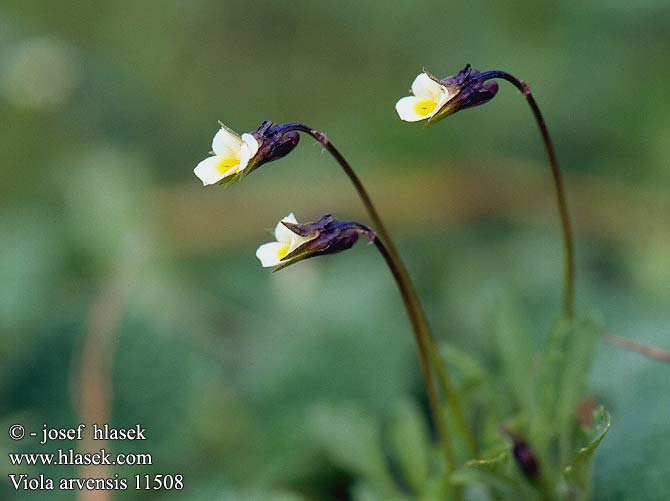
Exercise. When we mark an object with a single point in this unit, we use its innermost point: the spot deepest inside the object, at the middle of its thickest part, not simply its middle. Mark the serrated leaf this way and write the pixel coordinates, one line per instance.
(567, 364)
(579, 472)
(491, 472)
(497, 465)
(580, 349)
(498, 473)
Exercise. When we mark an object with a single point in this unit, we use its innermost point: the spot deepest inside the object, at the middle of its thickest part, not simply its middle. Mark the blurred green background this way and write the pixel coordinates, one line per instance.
(129, 293)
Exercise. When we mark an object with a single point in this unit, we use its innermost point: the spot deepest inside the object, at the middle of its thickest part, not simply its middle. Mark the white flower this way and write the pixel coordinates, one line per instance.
(272, 253)
(429, 96)
(231, 156)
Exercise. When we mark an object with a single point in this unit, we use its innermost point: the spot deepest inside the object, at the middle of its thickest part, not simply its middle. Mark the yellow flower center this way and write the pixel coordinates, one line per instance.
(424, 106)
(282, 252)
(226, 163)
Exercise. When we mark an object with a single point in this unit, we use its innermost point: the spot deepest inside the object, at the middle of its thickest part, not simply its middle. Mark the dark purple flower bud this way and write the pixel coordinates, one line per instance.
(467, 90)
(526, 460)
(524, 456)
(274, 143)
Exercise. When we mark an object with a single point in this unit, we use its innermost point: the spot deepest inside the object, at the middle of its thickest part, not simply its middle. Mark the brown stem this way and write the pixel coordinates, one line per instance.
(92, 384)
(647, 351)
(433, 399)
(92, 390)
(568, 245)
(423, 335)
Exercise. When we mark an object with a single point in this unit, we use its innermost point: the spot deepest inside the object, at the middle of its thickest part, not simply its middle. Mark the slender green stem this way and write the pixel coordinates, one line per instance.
(568, 246)
(423, 336)
(433, 399)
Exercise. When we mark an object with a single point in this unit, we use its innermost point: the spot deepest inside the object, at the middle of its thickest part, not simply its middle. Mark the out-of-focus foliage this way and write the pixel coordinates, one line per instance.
(552, 450)
(251, 384)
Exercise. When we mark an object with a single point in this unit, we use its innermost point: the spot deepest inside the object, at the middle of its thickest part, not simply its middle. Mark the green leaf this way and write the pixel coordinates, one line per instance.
(467, 370)
(579, 472)
(437, 487)
(580, 350)
(515, 350)
(543, 427)
(352, 439)
(235, 495)
(363, 491)
(497, 465)
(567, 365)
(410, 443)
(499, 473)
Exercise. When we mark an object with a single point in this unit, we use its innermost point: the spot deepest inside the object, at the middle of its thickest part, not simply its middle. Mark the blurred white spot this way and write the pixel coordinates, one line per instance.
(297, 285)
(38, 73)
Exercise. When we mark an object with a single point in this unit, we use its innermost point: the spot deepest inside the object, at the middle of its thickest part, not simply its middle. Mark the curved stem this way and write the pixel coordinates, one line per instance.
(433, 399)
(568, 246)
(424, 339)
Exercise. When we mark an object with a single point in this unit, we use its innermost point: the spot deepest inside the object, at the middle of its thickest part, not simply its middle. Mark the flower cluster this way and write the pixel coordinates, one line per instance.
(234, 156)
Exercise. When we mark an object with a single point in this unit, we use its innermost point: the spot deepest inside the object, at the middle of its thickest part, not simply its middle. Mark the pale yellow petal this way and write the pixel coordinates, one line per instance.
(425, 87)
(443, 99)
(282, 233)
(248, 149)
(272, 253)
(413, 109)
(213, 169)
(226, 142)
(297, 240)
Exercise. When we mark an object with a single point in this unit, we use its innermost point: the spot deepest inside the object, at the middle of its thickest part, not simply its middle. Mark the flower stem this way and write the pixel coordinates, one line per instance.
(424, 339)
(433, 399)
(568, 246)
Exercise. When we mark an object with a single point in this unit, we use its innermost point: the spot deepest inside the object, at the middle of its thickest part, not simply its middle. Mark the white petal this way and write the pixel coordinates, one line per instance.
(271, 254)
(406, 108)
(426, 87)
(282, 233)
(213, 169)
(443, 99)
(297, 241)
(226, 142)
(249, 148)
